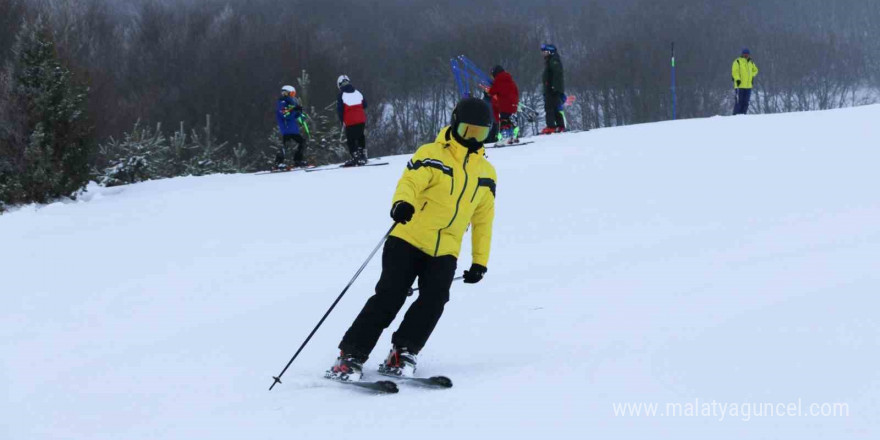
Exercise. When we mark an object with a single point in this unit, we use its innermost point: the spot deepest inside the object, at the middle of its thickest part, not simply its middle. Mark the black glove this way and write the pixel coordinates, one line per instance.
(738, 82)
(402, 212)
(475, 274)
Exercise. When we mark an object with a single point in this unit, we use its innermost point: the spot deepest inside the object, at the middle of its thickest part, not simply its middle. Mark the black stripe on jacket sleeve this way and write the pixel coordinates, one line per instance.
(487, 182)
(431, 163)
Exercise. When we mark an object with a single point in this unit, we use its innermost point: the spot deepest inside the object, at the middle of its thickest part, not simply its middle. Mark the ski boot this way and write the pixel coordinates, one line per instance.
(361, 157)
(350, 163)
(347, 368)
(400, 362)
(300, 164)
(279, 160)
(560, 129)
(549, 130)
(357, 159)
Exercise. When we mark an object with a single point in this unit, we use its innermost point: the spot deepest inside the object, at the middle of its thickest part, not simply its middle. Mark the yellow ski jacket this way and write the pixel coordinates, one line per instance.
(450, 188)
(744, 70)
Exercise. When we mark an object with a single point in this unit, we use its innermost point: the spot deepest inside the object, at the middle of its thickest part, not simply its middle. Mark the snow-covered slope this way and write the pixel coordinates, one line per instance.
(726, 259)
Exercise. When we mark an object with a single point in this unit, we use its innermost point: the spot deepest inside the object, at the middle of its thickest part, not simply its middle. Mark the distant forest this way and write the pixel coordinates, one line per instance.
(170, 63)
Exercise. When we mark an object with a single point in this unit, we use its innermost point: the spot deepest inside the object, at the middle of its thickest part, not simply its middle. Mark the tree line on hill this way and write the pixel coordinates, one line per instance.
(124, 91)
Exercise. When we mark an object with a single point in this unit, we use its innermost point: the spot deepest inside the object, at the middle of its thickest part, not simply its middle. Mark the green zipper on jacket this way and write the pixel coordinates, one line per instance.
(457, 203)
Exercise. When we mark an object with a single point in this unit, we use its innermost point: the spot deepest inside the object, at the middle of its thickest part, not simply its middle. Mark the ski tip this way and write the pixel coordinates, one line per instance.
(388, 386)
(442, 381)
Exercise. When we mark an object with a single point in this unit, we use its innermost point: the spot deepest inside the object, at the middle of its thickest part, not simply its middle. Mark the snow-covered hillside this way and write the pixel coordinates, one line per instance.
(734, 260)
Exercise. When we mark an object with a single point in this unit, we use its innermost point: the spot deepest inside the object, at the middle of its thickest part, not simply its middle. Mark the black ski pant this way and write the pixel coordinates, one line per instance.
(507, 122)
(743, 96)
(356, 139)
(300, 150)
(401, 264)
(552, 106)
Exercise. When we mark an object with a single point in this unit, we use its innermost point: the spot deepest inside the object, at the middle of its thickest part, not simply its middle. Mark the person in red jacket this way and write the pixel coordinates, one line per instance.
(351, 106)
(505, 102)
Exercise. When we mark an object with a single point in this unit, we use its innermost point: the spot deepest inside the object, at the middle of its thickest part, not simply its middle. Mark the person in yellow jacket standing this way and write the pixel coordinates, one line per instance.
(447, 186)
(743, 73)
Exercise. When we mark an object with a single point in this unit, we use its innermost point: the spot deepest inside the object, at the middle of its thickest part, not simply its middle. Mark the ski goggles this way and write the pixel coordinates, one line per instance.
(478, 133)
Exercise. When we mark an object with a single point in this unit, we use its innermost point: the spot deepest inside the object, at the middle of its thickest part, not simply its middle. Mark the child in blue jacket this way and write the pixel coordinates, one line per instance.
(288, 114)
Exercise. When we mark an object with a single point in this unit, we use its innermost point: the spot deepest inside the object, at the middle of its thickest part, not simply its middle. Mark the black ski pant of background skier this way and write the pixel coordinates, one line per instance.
(356, 140)
(552, 108)
(401, 264)
(300, 150)
(743, 96)
(506, 121)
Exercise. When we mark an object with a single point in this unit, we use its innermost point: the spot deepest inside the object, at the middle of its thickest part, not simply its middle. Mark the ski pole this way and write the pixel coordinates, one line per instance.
(416, 289)
(305, 125)
(674, 97)
(277, 379)
(735, 100)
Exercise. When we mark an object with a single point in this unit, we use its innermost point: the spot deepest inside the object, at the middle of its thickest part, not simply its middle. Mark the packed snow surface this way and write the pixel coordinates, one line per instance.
(722, 261)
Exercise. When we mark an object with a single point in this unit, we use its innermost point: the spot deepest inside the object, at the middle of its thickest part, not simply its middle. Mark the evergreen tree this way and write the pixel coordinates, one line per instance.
(137, 157)
(145, 154)
(207, 154)
(324, 133)
(45, 142)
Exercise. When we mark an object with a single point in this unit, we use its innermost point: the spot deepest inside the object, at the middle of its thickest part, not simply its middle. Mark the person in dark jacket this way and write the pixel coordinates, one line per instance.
(554, 90)
(288, 114)
(351, 106)
(505, 101)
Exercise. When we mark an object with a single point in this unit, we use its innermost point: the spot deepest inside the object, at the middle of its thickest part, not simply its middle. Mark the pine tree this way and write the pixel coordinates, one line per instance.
(325, 135)
(145, 154)
(207, 157)
(44, 136)
(135, 158)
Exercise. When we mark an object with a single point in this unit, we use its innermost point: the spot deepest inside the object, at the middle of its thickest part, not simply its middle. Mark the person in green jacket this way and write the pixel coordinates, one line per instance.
(743, 74)
(554, 90)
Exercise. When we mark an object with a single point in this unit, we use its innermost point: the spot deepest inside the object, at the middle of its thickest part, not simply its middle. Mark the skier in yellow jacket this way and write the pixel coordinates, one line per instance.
(447, 185)
(743, 74)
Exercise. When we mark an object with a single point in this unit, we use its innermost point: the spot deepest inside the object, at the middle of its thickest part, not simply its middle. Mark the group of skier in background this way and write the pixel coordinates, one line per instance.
(351, 109)
(503, 94)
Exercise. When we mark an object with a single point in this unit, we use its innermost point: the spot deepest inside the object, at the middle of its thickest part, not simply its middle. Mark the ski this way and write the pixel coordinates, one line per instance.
(371, 164)
(510, 145)
(260, 173)
(428, 382)
(379, 386)
(562, 132)
(342, 167)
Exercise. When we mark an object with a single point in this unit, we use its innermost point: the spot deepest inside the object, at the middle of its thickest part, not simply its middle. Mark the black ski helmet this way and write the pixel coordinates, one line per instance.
(471, 111)
(497, 69)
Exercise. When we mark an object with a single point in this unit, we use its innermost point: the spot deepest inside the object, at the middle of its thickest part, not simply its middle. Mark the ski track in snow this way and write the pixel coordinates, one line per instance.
(732, 259)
